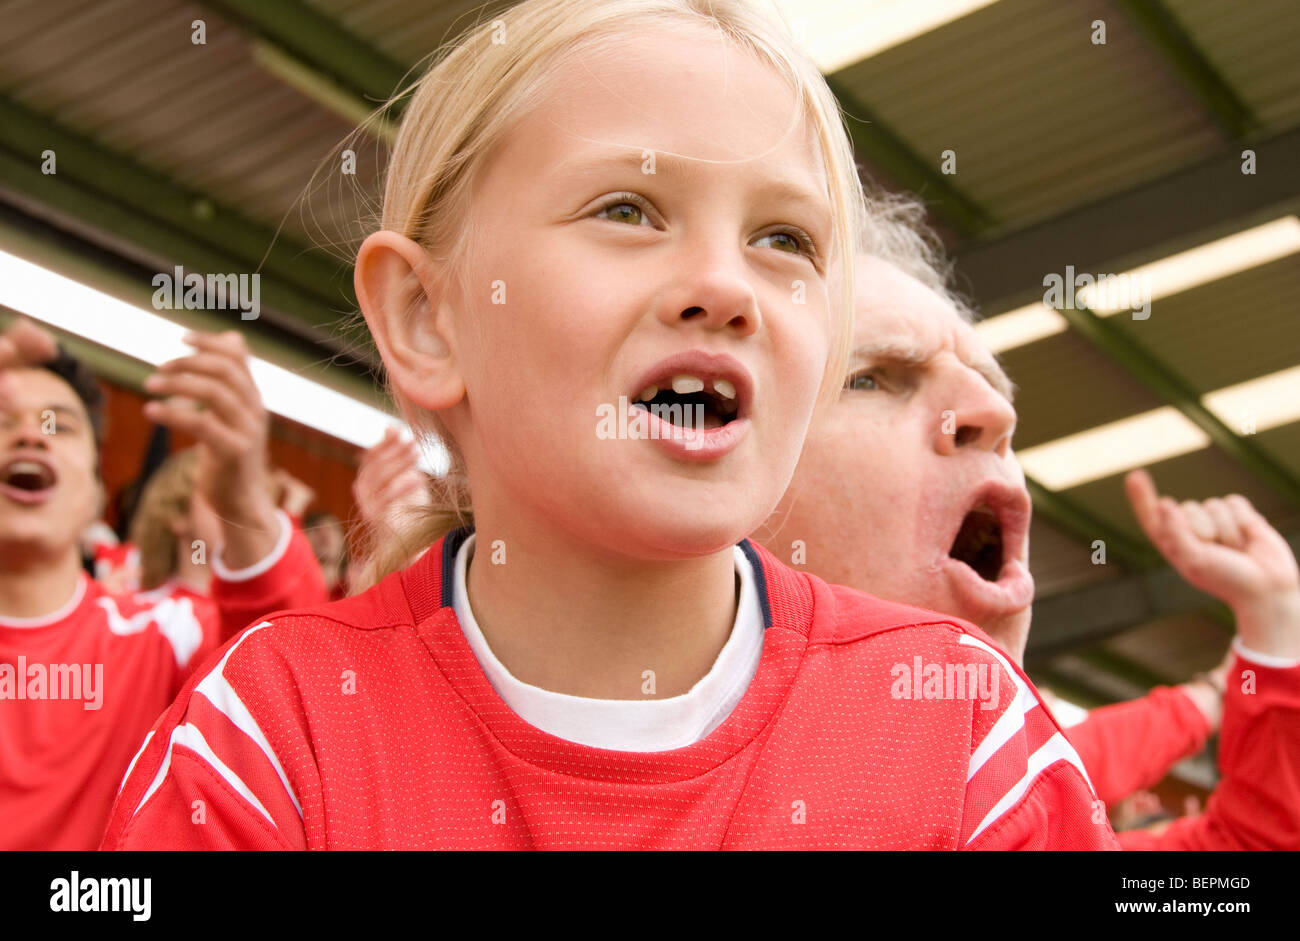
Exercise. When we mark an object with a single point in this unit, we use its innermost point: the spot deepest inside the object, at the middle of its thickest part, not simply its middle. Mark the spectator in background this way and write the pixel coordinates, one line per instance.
(66, 740)
(291, 494)
(330, 545)
(887, 500)
(390, 490)
(111, 562)
(175, 529)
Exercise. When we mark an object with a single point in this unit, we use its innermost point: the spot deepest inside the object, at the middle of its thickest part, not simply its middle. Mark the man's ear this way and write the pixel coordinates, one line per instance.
(401, 292)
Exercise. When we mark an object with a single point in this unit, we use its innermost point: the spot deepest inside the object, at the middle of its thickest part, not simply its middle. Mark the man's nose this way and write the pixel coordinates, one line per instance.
(973, 415)
(27, 431)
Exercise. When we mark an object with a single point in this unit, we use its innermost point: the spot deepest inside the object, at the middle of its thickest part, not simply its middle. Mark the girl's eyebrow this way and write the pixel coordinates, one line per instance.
(627, 159)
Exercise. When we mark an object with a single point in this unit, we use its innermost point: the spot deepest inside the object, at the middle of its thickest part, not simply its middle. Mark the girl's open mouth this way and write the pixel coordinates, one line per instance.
(692, 402)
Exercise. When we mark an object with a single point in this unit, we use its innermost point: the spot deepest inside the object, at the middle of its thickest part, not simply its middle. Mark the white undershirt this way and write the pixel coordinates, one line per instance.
(627, 724)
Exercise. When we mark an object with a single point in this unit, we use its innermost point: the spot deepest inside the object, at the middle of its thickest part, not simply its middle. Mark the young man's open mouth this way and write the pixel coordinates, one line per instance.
(27, 480)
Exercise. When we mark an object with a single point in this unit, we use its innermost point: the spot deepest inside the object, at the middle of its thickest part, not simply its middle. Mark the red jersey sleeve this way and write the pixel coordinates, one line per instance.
(1131, 745)
(1257, 803)
(207, 777)
(1026, 788)
(289, 578)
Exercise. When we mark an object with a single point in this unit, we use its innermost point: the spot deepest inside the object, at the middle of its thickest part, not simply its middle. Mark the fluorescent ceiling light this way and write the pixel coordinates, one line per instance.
(81, 310)
(1020, 327)
(838, 33)
(1257, 404)
(1112, 448)
(1172, 275)
(1246, 408)
(1209, 262)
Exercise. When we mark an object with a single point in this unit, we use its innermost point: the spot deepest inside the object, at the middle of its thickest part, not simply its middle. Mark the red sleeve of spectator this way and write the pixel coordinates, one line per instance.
(1131, 745)
(293, 581)
(1257, 803)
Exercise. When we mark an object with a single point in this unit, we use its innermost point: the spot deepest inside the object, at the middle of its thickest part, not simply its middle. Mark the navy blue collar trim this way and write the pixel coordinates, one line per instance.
(760, 580)
(451, 544)
(456, 538)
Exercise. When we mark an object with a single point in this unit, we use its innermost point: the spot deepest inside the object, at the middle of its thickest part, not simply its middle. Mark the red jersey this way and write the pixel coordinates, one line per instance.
(368, 723)
(1256, 805)
(1131, 745)
(63, 756)
(288, 578)
(78, 691)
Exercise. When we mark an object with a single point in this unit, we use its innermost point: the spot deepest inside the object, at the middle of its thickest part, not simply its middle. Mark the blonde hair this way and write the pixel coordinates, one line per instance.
(479, 86)
(166, 497)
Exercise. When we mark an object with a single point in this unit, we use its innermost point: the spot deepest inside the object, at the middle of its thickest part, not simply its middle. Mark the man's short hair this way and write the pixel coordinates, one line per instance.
(78, 375)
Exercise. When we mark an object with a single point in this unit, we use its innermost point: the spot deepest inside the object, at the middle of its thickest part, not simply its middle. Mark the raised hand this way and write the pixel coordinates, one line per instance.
(389, 484)
(1227, 549)
(211, 395)
(22, 345)
(25, 344)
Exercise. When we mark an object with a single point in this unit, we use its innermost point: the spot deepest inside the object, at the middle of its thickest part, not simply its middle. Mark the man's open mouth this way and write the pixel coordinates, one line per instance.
(28, 475)
(979, 542)
(692, 401)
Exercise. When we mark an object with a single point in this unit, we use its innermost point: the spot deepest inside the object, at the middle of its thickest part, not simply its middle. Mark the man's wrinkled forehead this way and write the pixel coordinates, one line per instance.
(901, 319)
(912, 349)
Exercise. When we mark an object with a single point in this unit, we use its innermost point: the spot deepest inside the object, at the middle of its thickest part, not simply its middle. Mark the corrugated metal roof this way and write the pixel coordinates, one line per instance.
(1229, 330)
(1040, 119)
(205, 115)
(1173, 648)
(1066, 385)
(1255, 47)
(405, 31)
(1060, 562)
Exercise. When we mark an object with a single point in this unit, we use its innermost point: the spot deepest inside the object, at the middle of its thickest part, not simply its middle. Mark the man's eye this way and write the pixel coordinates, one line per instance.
(862, 381)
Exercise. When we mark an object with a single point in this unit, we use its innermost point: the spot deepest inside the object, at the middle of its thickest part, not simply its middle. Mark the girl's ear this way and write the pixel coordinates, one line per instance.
(401, 292)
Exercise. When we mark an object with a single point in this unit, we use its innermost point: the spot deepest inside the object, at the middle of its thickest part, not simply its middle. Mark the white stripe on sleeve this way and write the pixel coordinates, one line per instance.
(1051, 751)
(225, 700)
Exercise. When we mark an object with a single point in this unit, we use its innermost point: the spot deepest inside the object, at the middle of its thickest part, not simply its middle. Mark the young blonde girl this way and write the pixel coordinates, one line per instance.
(611, 280)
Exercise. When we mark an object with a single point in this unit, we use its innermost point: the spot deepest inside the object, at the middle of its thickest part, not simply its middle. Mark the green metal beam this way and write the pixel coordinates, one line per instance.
(192, 215)
(1200, 77)
(323, 90)
(1076, 692)
(22, 175)
(1070, 515)
(1166, 383)
(321, 42)
(1128, 671)
(873, 140)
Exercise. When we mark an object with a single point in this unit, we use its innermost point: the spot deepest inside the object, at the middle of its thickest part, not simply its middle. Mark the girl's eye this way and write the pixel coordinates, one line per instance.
(625, 207)
(862, 381)
(797, 240)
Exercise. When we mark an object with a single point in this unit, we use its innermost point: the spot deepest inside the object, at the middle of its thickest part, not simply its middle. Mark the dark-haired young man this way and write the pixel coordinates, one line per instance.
(85, 673)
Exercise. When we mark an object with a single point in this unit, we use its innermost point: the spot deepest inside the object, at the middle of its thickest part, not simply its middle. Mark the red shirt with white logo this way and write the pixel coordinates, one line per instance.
(81, 687)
